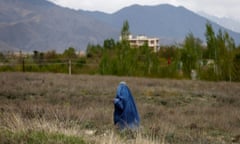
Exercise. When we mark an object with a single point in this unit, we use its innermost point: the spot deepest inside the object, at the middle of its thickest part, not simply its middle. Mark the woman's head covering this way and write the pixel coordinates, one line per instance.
(125, 113)
(123, 82)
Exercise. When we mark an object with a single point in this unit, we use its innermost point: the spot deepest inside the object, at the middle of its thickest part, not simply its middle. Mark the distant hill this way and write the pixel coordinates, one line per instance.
(229, 23)
(30, 25)
(40, 25)
(169, 23)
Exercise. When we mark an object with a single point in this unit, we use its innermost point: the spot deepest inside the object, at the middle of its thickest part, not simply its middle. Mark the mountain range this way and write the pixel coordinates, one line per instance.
(30, 25)
(40, 25)
(229, 23)
(171, 24)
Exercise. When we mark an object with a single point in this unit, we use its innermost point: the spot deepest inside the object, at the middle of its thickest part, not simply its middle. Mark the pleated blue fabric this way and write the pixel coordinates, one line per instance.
(125, 110)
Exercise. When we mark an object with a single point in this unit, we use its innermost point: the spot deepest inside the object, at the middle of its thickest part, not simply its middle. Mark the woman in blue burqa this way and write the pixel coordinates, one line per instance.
(125, 110)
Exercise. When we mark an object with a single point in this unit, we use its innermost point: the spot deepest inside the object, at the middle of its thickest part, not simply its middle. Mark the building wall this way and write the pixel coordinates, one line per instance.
(141, 40)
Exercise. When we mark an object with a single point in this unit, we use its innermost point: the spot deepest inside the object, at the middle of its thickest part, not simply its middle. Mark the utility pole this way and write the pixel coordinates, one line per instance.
(69, 67)
(23, 65)
(23, 62)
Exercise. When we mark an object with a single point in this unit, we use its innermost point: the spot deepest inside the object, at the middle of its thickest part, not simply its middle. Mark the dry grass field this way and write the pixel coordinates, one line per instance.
(58, 108)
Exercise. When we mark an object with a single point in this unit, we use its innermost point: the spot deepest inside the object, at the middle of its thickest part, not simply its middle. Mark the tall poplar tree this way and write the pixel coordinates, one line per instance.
(125, 32)
(192, 53)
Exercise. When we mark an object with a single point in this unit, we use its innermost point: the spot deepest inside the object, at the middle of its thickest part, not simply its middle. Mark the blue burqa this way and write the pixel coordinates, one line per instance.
(125, 113)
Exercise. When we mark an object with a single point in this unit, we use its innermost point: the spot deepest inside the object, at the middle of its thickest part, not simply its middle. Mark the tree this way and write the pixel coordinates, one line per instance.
(211, 42)
(2, 57)
(125, 32)
(191, 54)
(220, 48)
(225, 57)
(51, 55)
(109, 44)
(236, 65)
(94, 51)
(70, 53)
(38, 57)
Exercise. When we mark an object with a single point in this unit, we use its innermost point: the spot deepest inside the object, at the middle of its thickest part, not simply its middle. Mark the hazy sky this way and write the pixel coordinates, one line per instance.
(220, 8)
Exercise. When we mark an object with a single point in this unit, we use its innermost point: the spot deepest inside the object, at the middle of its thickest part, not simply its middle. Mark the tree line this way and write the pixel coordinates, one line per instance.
(49, 61)
(218, 59)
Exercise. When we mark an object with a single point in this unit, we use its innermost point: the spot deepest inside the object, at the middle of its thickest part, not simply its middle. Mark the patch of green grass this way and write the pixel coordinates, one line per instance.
(38, 137)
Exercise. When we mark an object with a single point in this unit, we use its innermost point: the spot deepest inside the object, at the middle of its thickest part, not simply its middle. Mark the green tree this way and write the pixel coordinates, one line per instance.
(224, 59)
(220, 48)
(38, 57)
(2, 57)
(191, 53)
(236, 65)
(211, 42)
(70, 53)
(94, 51)
(109, 44)
(125, 32)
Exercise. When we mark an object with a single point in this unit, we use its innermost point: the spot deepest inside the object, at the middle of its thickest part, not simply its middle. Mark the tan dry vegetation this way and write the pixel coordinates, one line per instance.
(172, 111)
